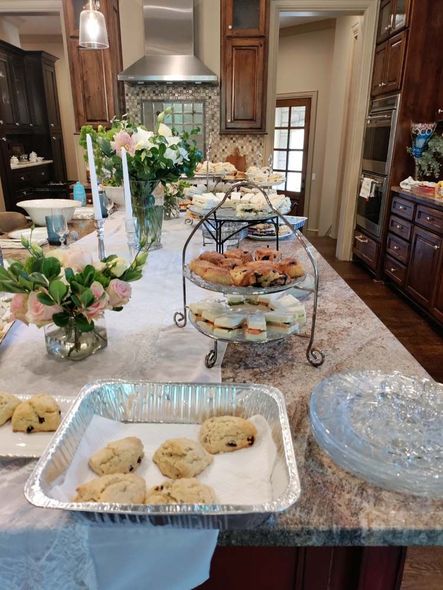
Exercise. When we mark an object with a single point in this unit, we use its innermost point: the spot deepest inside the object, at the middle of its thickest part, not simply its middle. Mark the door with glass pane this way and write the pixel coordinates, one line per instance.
(291, 140)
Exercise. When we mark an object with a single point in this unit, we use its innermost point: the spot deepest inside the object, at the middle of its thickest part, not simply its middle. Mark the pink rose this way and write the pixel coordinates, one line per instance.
(18, 307)
(119, 293)
(123, 139)
(101, 302)
(38, 313)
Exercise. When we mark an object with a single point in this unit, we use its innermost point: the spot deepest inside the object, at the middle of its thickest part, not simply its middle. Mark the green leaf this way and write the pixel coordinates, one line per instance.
(83, 324)
(76, 286)
(102, 279)
(87, 298)
(57, 290)
(89, 275)
(75, 300)
(51, 267)
(4, 274)
(45, 299)
(61, 319)
(11, 287)
(69, 274)
(38, 279)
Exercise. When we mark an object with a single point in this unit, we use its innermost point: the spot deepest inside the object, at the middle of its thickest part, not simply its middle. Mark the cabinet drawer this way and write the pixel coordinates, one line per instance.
(403, 208)
(23, 178)
(397, 248)
(400, 227)
(366, 249)
(40, 175)
(429, 218)
(395, 270)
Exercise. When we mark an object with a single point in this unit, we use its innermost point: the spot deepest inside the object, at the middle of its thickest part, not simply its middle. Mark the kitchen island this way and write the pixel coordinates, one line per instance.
(335, 508)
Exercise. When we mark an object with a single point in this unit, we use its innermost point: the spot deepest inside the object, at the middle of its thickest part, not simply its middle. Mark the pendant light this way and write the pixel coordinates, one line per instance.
(93, 33)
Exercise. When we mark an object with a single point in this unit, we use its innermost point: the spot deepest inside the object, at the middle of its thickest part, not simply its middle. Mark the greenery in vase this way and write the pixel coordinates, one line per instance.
(174, 192)
(67, 288)
(429, 165)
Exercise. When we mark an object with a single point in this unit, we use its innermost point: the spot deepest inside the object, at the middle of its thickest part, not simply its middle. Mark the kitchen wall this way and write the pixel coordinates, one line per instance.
(53, 44)
(304, 65)
(9, 32)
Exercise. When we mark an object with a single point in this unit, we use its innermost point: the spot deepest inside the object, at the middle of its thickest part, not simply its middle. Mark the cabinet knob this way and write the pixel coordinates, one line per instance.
(52, 125)
(229, 120)
(42, 173)
(392, 269)
(31, 124)
(401, 207)
(398, 226)
(429, 218)
(230, 27)
(54, 138)
(1, 121)
(440, 111)
(387, 28)
(436, 247)
(361, 239)
(396, 247)
(22, 178)
(17, 123)
(4, 139)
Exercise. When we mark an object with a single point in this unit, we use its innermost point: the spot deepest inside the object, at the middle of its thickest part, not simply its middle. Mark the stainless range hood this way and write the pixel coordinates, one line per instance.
(169, 46)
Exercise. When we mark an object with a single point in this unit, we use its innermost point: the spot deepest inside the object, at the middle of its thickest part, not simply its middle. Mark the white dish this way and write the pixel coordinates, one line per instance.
(37, 235)
(269, 238)
(38, 209)
(21, 444)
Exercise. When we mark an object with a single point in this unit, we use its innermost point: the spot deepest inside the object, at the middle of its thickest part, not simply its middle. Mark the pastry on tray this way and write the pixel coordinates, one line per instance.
(119, 488)
(267, 254)
(8, 403)
(238, 253)
(38, 414)
(118, 456)
(225, 434)
(181, 457)
(181, 491)
(291, 267)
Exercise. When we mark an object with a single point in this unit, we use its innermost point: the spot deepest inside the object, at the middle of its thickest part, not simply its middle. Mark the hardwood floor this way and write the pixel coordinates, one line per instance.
(423, 566)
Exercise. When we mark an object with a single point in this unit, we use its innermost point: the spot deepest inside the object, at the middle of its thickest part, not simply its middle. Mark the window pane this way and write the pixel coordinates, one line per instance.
(178, 119)
(293, 182)
(281, 116)
(281, 138)
(295, 161)
(178, 107)
(279, 160)
(187, 108)
(296, 139)
(298, 116)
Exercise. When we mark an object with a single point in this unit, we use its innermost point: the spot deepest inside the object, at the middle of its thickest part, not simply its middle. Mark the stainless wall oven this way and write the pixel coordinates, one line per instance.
(380, 133)
(370, 210)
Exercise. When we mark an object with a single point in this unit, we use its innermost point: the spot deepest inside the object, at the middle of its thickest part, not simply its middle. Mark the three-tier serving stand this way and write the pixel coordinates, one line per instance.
(215, 219)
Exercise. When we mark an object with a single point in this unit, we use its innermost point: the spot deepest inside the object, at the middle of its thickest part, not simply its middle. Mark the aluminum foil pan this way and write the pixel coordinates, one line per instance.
(140, 401)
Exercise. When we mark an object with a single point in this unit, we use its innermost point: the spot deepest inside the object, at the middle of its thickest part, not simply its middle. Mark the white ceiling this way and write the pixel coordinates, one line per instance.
(48, 24)
(294, 18)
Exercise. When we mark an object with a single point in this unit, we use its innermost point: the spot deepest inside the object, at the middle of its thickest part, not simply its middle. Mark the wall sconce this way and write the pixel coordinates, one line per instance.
(93, 33)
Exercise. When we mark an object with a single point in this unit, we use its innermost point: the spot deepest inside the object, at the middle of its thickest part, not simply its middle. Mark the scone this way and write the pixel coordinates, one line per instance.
(118, 488)
(224, 434)
(181, 457)
(8, 403)
(119, 456)
(38, 414)
(181, 491)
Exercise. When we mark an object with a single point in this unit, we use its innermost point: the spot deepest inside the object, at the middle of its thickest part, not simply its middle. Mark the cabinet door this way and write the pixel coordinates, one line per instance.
(395, 58)
(423, 263)
(51, 94)
(6, 109)
(400, 15)
(385, 20)
(20, 96)
(73, 9)
(36, 95)
(244, 18)
(58, 157)
(379, 67)
(437, 302)
(244, 80)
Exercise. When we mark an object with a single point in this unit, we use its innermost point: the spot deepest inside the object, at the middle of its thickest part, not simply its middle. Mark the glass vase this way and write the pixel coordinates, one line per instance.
(68, 343)
(147, 209)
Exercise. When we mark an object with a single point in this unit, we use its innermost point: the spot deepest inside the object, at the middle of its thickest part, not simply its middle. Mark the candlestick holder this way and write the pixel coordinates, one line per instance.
(100, 227)
(131, 236)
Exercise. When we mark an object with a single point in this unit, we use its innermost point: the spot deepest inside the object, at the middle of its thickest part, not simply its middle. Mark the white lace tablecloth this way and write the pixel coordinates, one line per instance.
(48, 549)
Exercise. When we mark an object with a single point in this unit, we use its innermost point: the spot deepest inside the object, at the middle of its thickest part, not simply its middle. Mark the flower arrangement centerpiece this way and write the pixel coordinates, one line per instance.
(153, 157)
(68, 294)
(174, 193)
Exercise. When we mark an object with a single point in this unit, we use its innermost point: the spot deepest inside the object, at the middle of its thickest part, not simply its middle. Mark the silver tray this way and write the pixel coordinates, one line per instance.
(140, 401)
(234, 290)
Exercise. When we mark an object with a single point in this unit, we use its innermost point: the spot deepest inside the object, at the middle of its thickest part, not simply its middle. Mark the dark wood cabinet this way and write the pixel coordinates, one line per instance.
(244, 18)
(394, 16)
(7, 119)
(366, 249)
(20, 94)
(388, 65)
(244, 66)
(52, 105)
(423, 264)
(97, 94)
(58, 157)
(437, 301)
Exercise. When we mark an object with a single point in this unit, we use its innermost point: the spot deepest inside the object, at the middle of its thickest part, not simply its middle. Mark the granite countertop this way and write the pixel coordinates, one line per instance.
(420, 196)
(335, 508)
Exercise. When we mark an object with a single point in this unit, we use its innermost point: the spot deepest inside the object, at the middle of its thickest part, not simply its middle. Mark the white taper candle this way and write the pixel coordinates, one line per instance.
(93, 175)
(126, 185)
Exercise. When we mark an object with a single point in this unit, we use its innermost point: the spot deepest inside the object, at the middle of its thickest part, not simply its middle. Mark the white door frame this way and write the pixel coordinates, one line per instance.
(312, 127)
(369, 9)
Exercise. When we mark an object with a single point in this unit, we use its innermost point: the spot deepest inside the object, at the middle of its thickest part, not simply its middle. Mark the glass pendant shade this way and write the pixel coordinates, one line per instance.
(93, 33)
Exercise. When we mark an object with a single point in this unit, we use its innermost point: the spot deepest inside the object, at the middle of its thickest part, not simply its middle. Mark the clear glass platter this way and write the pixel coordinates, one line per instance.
(387, 429)
(229, 214)
(234, 290)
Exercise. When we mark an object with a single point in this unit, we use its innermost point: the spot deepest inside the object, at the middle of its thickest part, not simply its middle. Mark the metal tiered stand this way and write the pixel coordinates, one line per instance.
(313, 355)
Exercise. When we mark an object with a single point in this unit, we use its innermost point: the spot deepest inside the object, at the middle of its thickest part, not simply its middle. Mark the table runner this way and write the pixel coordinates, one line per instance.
(50, 549)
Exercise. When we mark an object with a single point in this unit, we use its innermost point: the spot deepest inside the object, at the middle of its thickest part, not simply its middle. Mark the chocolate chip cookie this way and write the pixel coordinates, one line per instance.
(119, 456)
(181, 457)
(224, 434)
(181, 491)
(8, 403)
(119, 488)
(38, 414)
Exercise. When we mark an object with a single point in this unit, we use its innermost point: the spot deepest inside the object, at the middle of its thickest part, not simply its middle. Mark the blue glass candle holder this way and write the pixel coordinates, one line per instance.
(53, 221)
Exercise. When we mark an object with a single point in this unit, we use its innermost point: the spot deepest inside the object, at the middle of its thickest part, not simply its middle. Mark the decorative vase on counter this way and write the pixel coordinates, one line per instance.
(147, 208)
(69, 343)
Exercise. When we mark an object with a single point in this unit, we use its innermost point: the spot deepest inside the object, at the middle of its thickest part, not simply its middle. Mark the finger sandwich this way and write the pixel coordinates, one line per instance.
(197, 309)
(235, 300)
(281, 322)
(209, 313)
(291, 304)
(228, 326)
(256, 327)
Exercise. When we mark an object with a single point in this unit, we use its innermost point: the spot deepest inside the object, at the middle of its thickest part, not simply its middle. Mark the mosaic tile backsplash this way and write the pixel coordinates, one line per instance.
(251, 146)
